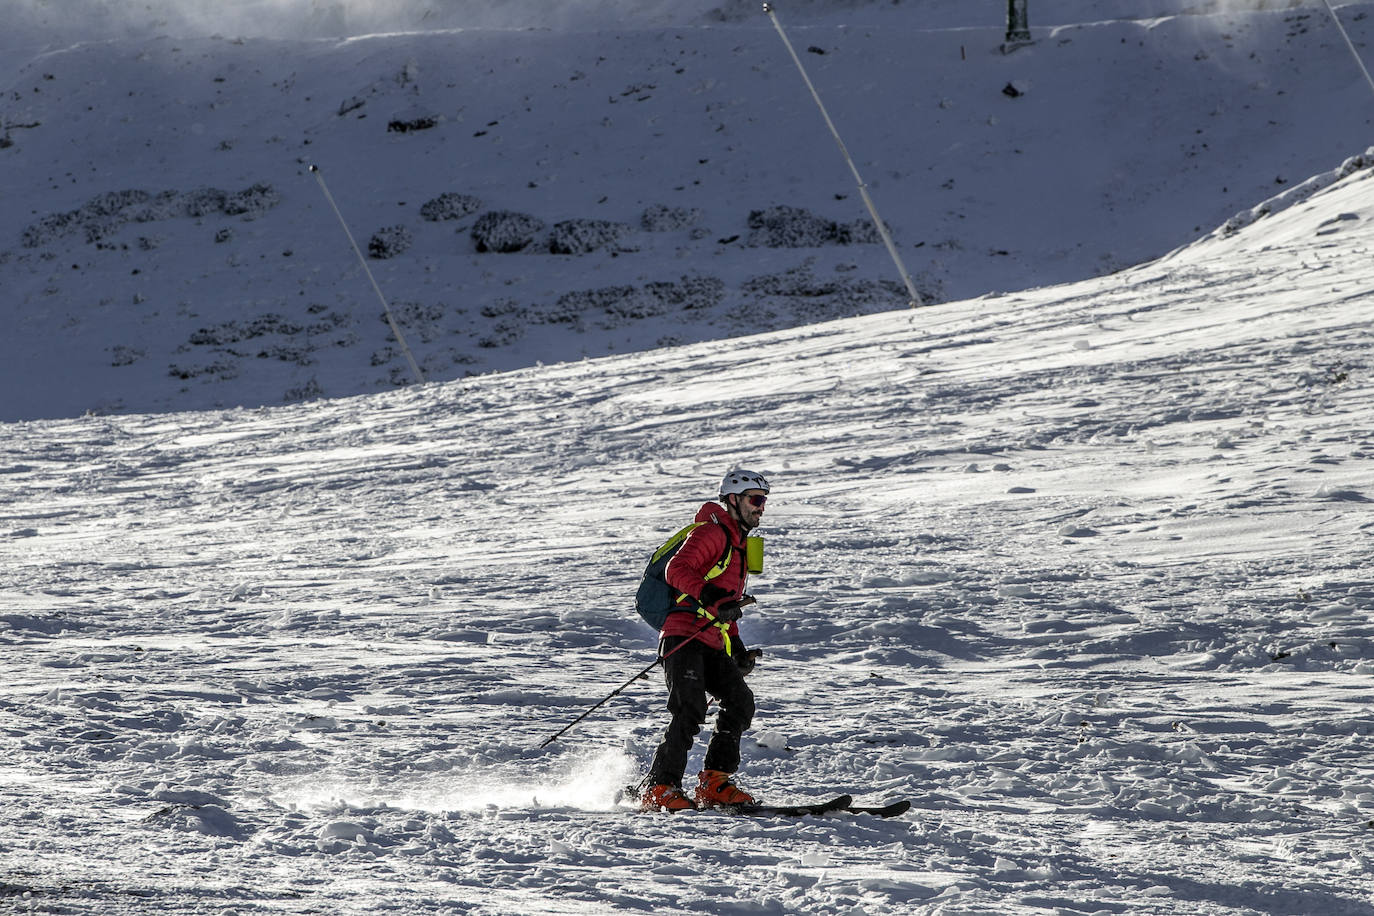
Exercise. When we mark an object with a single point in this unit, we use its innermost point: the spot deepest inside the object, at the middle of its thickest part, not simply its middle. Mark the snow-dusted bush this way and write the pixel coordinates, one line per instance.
(251, 200)
(449, 206)
(310, 391)
(582, 236)
(690, 293)
(505, 231)
(105, 213)
(859, 232)
(788, 227)
(796, 227)
(424, 321)
(389, 242)
(203, 201)
(811, 298)
(612, 306)
(234, 331)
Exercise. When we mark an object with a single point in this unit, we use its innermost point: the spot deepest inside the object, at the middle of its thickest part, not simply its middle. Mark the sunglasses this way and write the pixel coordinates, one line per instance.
(756, 499)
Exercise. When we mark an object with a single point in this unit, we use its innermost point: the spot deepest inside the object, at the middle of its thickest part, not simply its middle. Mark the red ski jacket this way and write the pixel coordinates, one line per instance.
(698, 555)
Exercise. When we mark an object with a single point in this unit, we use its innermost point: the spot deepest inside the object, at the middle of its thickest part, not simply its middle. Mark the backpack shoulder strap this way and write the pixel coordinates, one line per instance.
(673, 542)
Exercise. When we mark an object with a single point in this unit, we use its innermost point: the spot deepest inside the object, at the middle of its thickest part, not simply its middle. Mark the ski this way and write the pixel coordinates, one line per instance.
(892, 810)
(838, 803)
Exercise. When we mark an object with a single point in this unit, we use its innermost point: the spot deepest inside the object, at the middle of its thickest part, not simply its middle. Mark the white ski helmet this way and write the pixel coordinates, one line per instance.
(739, 480)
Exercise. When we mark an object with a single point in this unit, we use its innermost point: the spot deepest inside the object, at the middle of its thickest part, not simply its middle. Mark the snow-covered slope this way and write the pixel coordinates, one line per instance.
(1083, 571)
(164, 247)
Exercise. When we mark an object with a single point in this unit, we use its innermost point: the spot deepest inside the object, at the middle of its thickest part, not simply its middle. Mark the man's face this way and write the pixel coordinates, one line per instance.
(750, 507)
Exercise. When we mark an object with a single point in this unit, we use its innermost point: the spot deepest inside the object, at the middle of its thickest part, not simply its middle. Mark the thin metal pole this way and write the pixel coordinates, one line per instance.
(390, 319)
(711, 620)
(1350, 44)
(616, 692)
(863, 188)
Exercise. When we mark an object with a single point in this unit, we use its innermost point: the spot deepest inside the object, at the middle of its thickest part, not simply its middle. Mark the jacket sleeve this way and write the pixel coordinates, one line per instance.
(687, 569)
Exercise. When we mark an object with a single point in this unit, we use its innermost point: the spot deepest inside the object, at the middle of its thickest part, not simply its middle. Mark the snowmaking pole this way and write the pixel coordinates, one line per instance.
(1350, 44)
(390, 318)
(863, 188)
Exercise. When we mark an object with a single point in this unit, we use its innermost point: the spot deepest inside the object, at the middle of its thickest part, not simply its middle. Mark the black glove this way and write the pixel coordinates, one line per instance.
(729, 612)
(711, 594)
(746, 658)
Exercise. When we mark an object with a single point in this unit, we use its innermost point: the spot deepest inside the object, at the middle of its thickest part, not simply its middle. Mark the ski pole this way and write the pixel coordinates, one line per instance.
(711, 621)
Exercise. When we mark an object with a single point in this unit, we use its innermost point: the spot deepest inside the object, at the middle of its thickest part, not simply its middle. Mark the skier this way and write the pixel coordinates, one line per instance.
(710, 573)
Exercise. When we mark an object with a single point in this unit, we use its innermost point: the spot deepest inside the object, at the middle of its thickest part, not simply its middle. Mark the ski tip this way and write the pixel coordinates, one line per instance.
(890, 810)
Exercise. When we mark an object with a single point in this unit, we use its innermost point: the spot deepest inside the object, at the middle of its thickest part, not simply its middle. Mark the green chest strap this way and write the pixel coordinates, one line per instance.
(719, 569)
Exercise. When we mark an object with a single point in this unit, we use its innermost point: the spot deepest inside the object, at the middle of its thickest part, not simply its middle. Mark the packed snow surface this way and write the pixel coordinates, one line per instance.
(612, 178)
(1083, 571)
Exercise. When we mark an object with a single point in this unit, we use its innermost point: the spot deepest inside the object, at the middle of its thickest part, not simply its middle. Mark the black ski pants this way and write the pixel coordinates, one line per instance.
(692, 672)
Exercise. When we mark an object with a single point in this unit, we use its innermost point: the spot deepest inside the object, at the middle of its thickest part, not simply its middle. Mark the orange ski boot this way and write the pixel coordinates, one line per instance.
(718, 788)
(664, 798)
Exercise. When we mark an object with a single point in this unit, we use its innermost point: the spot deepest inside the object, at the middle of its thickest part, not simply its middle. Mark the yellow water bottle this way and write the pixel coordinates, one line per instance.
(753, 553)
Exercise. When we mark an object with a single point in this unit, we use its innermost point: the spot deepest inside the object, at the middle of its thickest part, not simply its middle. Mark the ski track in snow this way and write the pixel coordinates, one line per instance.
(1083, 571)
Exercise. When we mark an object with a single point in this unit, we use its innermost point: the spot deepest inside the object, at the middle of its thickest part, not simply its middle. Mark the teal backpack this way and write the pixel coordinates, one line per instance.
(656, 599)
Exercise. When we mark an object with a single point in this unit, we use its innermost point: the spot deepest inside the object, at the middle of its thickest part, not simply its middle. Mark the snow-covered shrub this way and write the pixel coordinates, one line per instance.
(251, 200)
(449, 206)
(812, 298)
(502, 334)
(310, 391)
(222, 369)
(582, 236)
(788, 227)
(505, 231)
(689, 293)
(204, 201)
(389, 242)
(100, 227)
(162, 205)
(105, 213)
(797, 227)
(572, 308)
(234, 331)
(859, 232)
(612, 306)
(112, 203)
(418, 318)
(49, 228)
